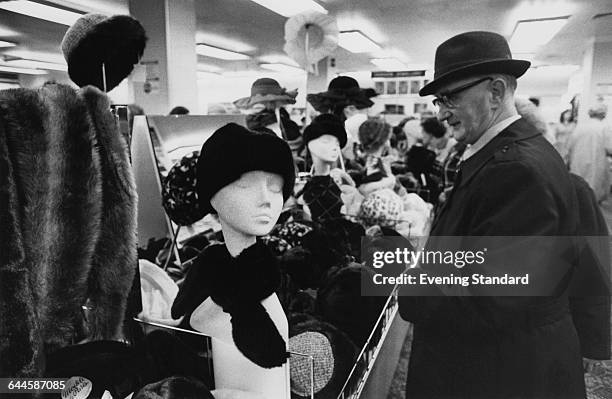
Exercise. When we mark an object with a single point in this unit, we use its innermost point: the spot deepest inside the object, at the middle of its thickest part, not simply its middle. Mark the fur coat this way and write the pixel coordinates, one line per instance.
(67, 227)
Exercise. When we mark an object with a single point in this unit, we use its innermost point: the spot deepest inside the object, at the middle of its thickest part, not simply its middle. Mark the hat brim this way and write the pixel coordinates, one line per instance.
(325, 101)
(515, 68)
(247, 102)
(118, 42)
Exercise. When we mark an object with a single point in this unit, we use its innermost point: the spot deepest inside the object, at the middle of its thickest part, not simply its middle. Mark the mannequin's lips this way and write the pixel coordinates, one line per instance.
(264, 218)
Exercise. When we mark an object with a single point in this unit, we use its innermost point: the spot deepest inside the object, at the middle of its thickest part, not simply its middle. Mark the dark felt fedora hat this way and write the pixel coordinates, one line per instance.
(473, 53)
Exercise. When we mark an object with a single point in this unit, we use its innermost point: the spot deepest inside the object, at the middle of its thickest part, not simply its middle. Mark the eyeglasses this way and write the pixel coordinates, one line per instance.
(448, 99)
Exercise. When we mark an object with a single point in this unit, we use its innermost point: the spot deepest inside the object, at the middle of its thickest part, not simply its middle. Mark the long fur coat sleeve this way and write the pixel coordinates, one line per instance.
(64, 174)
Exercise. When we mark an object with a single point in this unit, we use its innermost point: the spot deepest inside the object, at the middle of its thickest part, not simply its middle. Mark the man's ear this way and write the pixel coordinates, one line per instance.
(498, 91)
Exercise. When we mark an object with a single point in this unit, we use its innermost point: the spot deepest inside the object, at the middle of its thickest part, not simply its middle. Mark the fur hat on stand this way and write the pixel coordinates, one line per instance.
(325, 124)
(117, 42)
(234, 150)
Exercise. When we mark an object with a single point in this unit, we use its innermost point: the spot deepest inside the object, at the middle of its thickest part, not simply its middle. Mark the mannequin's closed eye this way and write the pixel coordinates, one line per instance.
(275, 184)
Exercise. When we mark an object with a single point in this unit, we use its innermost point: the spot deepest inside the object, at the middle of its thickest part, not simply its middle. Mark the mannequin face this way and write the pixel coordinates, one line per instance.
(326, 148)
(251, 205)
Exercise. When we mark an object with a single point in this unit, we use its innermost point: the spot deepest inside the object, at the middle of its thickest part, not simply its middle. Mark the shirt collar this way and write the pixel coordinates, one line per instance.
(488, 136)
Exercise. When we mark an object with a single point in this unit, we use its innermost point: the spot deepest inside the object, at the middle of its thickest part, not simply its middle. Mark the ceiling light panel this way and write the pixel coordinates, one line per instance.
(356, 42)
(215, 52)
(36, 65)
(531, 34)
(388, 64)
(4, 43)
(289, 8)
(41, 11)
(25, 71)
(277, 67)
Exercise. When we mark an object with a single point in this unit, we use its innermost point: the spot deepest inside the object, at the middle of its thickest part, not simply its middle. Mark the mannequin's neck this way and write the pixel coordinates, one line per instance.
(236, 241)
(321, 167)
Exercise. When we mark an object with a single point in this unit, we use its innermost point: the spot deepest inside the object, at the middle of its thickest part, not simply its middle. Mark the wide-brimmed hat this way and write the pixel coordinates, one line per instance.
(342, 91)
(234, 150)
(266, 89)
(95, 39)
(473, 53)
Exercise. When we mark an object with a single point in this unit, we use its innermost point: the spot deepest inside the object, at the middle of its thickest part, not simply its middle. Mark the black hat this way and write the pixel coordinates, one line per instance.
(473, 53)
(234, 150)
(325, 124)
(94, 39)
(342, 91)
(373, 134)
(179, 192)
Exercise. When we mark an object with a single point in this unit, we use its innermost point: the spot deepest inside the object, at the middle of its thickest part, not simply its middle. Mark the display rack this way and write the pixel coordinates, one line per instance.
(364, 364)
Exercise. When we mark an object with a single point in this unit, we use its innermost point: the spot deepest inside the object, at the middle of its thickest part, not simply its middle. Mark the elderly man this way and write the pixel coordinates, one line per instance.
(496, 341)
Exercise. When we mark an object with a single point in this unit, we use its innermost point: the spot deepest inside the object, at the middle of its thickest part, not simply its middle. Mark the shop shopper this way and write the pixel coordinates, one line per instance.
(229, 292)
(478, 342)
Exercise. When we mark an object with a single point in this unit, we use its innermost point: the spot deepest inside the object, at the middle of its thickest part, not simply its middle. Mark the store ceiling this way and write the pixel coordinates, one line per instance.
(410, 30)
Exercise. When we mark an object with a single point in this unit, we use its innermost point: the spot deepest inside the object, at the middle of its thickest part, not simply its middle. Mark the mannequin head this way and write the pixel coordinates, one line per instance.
(251, 205)
(325, 148)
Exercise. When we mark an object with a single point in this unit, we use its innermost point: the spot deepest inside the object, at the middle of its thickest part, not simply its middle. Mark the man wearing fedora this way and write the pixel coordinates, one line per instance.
(494, 342)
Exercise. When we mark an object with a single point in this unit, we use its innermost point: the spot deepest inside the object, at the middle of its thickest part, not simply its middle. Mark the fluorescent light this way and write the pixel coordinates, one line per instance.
(209, 68)
(528, 35)
(289, 8)
(215, 52)
(278, 59)
(242, 74)
(388, 64)
(25, 71)
(36, 65)
(202, 75)
(561, 69)
(221, 41)
(4, 43)
(281, 68)
(41, 11)
(53, 58)
(356, 42)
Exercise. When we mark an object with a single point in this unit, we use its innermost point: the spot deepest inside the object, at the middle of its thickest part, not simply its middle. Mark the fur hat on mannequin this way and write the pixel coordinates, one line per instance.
(234, 150)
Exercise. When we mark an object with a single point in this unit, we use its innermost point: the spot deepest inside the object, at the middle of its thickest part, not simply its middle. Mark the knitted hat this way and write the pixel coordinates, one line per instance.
(342, 92)
(94, 39)
(373, 134)
(325, 124)
(234, 150)
(266, 89)
(179, 195)
(333, 353)
(177, 387)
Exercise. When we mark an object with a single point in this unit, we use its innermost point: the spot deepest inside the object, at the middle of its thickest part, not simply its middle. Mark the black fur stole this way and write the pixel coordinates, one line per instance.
(238, 285)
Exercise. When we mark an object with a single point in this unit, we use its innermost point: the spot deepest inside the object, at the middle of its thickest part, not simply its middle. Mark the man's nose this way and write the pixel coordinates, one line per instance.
(443, 113)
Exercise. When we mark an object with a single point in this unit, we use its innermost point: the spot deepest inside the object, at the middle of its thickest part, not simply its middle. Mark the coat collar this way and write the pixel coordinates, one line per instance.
(517, 131)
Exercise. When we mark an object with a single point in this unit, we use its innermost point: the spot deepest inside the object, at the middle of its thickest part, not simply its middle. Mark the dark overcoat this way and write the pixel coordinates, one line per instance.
(483, 346)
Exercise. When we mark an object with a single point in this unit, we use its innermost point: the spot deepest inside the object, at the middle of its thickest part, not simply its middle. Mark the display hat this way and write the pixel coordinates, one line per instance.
(233, 150)
(333, 354)
(342, 91)
(95, 39)
(325, 124)
(473, 53)
(598, 109)
(373, 134)
(266, 89)
(179, 192)
(175, 387)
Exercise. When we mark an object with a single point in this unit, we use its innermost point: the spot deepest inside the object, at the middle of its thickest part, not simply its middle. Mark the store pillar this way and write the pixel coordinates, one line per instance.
(597, 68)
(166, 76)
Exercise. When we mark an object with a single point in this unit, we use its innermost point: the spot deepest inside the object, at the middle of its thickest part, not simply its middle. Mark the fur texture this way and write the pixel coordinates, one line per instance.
(63, 209)
(57, 183)
(115, 258)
